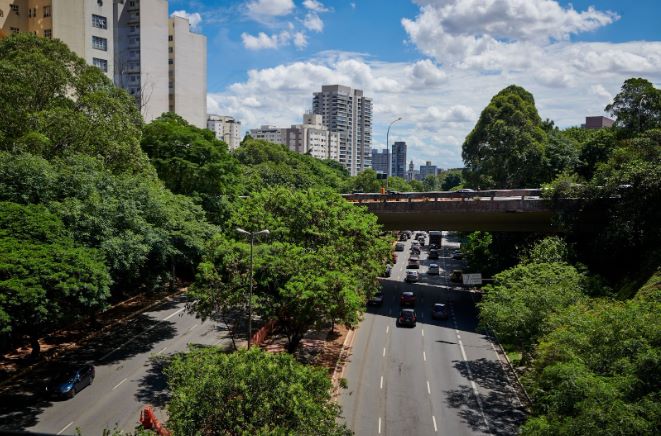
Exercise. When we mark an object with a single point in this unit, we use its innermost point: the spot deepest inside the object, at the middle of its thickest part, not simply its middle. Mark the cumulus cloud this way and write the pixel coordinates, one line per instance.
(259, 42)
(425, 74)
(300, 40)
(265, 9)
(313, 22)
(194, 19)
(314, 5)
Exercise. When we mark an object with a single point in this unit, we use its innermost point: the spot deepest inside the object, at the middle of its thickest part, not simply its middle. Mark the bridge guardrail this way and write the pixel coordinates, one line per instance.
(491, 194)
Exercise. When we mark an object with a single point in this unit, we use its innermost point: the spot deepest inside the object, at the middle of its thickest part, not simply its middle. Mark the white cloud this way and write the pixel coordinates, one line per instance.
(194, 19)
(314, 5)
(259, 42)
(313, 22)
(424, 74)
(261, 10)
(300, 40)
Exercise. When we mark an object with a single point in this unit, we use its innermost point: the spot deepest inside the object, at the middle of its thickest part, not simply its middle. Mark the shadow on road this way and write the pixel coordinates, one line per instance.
(153, 387)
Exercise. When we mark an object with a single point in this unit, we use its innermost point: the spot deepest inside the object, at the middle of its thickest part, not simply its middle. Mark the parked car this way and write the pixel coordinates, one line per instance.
(434, 269)
(388, 270)
(406, 318)
(439, 311)
(399, 246)
(376, 300)
(433, 254)
(457, 276)
(414, 262)
(67, 382)
(407, 299)
(412, 276)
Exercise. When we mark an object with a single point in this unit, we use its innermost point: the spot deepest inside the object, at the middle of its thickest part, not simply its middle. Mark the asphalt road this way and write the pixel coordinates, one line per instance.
(440, 377)
(128, 376)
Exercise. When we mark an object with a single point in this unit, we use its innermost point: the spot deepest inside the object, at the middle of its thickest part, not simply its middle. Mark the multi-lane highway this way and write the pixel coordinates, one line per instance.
(440, 377)
(128, 376)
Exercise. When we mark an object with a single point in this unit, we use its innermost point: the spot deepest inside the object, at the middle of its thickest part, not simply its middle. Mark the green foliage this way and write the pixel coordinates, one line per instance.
(505, 149)
(45, 279)
(249, 392)
(637, 107)
(597, 370)
(477, 252)
(366, 181)
(551, 249)
(193, 162)
(269, 165)
(53, 104)
(451, 180)
(523, 297)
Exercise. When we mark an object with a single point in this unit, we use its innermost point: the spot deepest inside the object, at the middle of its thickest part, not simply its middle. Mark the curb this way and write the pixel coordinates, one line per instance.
(88, 337)
(334, 378)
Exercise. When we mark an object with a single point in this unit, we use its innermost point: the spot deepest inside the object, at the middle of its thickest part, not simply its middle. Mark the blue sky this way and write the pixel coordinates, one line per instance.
(436, 63)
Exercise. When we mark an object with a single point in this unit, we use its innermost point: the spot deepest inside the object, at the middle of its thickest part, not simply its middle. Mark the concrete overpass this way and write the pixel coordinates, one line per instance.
(511, 210)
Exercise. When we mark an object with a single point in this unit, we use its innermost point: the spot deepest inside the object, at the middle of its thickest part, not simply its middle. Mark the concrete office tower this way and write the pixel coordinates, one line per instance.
(85, 26)
(226, 129)
(141, 50)
(380, 160)
(428, 170)
(398, 160)
(187, 72)
(346, 111)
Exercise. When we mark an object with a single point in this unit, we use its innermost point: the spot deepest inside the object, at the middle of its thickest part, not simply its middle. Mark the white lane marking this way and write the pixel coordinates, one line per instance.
(384, 351)
(423, 332)
(170, 316)
(119, 384)
(67, 426)
(191, 329)
(463, 352)
(164, 348)
(435, 428)
(387, 329)
(456, 331)
(381, 384)
(424, 356)
(379, 425)
(475, 392)
(458, 336)
(428, 388)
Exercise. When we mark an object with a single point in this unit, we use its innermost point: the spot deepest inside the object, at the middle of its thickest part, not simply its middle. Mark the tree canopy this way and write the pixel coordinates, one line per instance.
(637, 107)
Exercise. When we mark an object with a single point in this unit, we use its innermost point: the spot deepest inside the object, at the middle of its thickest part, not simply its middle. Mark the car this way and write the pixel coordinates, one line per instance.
(434, 269)
(69, 381)
(376, 300)
(403, 237)
(466, 190)
(419, 235)
(433, 254)
(421, 240)
(399, 246)
(458, 255)
(415, 243)
(406, 317)
(414, 263)
(457, 276)
(386, 273)
(415, 250)
(412, 276)
(407, 299)
(439, 311)
(433, 246)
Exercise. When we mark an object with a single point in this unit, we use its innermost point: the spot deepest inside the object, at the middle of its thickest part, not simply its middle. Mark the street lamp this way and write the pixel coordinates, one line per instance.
(252, 243)
(388, 151)
(640, 108)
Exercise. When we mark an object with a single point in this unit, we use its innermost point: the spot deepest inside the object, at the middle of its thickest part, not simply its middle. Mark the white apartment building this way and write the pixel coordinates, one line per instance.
(85, 26)
(349, 113)
(130, 41)
(311, 137)
(226, 129)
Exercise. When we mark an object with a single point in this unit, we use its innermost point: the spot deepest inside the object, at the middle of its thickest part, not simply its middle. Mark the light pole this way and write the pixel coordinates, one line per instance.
(640, 108)
(252, 243)
(388, 151)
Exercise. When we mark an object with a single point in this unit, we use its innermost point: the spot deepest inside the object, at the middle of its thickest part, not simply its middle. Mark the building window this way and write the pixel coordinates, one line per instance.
(2, 14)
(171, 49)
(100, 43)
(99, 22)
(14, 8)
(47, 11)
(101, 64)
(14, 29)
(48, 33)
(170, 61)
(170, 38)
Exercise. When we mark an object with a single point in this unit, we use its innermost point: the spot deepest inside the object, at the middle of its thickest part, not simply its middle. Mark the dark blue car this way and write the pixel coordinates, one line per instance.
(68, 382)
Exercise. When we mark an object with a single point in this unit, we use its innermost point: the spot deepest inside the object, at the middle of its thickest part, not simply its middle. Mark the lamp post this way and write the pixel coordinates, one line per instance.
(252, 243)
(388, 151)
(640, 108)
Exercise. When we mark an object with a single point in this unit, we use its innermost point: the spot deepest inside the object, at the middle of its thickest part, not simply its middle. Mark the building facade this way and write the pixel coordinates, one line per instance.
(398, 160)
(226, 129)
(132, 41)
(598, 122)
(380, 160)
(428, 170)
(412, 173)
(311, 137)
(349, 113)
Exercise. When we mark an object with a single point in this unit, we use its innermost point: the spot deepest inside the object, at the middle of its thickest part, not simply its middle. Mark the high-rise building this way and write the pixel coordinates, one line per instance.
(412, 173)
(380, 160)
(132, 41)
(349, 113)
(428, 170)
(598, 122)
(311, 137)
(226, 129)
(398, 160)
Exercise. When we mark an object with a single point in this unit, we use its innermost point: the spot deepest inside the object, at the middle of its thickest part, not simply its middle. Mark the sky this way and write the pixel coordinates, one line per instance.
(435, 63)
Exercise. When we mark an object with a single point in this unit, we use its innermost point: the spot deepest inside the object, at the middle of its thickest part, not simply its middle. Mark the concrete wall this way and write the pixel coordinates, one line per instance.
(154, 58)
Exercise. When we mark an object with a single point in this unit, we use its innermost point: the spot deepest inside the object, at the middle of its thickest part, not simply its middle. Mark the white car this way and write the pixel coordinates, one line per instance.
(434, 269)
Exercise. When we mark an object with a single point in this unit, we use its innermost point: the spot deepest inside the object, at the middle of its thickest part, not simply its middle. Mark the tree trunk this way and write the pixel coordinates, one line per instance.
(293, 342)
(36, 347)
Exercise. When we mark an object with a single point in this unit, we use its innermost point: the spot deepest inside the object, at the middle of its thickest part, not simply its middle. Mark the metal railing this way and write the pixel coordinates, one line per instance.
(493, 194)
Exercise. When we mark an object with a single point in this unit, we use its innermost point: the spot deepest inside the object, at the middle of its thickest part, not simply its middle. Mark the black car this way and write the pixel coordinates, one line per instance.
(433, 254)
(67, 382)
(376, 300)
(406, 317)
(403, 237)
(439, 311)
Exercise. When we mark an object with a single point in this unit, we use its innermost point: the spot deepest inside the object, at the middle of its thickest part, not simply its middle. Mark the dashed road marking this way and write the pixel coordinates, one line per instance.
(424, 356)
(118, 384)
(164, 348)
(171, 315)
(66, 427)
(191, 329)
(381, 384)
(423, 332)
(435, 428)
(428, 388)
(379, 425)
(384, 351)
(387, 329)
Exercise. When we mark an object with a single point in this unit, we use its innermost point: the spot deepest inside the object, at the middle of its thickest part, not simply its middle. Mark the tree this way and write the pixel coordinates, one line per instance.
(505, 149)
(54, 104)
(451, 179)
(366, 181)
(45, 280)
(517, 306)
(249, 392)
(551, 249)
(477, 250)
(637, 107)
